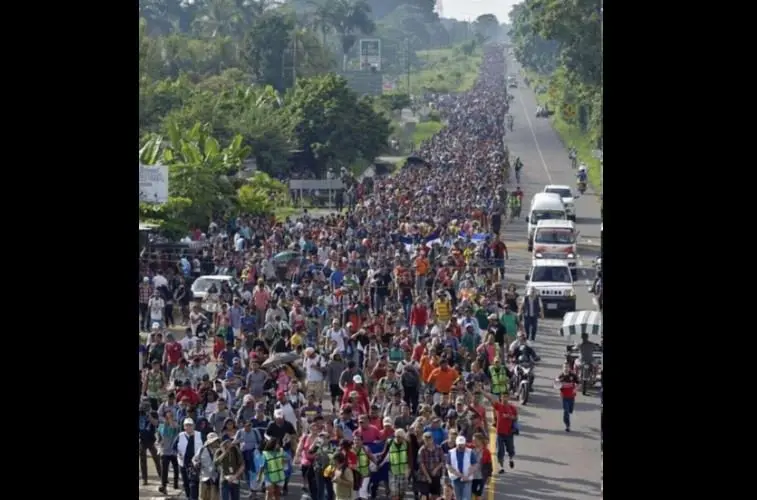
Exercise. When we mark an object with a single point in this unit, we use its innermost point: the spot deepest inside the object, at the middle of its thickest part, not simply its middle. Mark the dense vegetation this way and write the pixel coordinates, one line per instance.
(223, 82)
(560, 45)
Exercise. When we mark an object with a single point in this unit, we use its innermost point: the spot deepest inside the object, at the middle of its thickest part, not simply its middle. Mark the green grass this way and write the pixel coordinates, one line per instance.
(571, 135)
(446, 71)
(425, 130)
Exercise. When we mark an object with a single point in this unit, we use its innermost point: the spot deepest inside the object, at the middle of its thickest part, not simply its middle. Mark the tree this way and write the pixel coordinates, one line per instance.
(487, 25)
(332, 125)
(348, 18)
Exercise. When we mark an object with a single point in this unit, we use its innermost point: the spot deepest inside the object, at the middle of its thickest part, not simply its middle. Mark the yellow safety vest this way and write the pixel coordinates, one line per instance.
(274, 466)
(398, 458)
(499, 379)
(362, 463)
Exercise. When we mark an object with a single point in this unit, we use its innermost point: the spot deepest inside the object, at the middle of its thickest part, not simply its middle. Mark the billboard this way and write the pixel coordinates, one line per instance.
(153, 183)
(370, 53)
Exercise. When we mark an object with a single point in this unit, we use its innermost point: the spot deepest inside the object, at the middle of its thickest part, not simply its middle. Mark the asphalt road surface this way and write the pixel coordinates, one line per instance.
(550, 463)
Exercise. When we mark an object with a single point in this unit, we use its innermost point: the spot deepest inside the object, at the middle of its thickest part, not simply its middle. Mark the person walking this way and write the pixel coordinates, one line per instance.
(505, 417)
(168, 435)
(190, 440)
(230, 462)
(431, 461)
(148, 422)
(531, 310)
(461, 465)
(567, 382)
(208, 473)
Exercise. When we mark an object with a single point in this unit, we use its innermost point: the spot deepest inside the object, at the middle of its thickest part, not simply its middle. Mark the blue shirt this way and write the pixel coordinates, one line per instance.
(460, 455)
(337, 278)
(439, 434)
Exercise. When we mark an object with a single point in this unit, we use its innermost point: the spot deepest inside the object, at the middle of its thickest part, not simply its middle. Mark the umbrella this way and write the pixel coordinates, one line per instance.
(285, 256)
(416, 160)
(579, 322)
(279, 359)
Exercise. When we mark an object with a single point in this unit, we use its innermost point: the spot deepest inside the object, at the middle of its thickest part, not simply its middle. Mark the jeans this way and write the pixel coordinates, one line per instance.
(249, 468)
(191, 488)
(463, 489)
(378, 302)
(143, 449)
(229, 491)
(407, 304)
(530, 324)
(308, 475)
(505, 443)
(165, 461)
(144, 317)
(420, 285)
(567, 410)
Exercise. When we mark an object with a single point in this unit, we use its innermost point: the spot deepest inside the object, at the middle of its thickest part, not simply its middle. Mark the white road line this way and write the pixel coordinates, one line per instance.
(536, 141)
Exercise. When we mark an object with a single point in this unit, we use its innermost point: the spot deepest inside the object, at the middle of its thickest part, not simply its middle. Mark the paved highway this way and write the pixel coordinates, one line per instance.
(550, 463)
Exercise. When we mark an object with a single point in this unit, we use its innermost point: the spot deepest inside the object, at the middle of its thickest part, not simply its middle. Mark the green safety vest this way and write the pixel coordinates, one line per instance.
(398, 458)
(274, 466)
(499, 380)
(362, 463)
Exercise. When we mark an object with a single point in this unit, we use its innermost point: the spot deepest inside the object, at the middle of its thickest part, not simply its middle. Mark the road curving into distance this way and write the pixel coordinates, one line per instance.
(550, 463)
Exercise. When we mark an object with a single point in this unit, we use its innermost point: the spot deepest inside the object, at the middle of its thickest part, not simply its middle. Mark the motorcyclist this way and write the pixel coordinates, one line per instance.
(596, 287)
(586, 352)
(582, 175)
(520, 348)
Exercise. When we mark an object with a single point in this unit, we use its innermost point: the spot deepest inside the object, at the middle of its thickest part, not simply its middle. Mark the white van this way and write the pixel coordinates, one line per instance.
(556, 239)
(544, 206)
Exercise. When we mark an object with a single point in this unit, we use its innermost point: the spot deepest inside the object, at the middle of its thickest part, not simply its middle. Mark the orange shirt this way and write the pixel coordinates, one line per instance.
(421, 266)
(426, 367)
(443, 380)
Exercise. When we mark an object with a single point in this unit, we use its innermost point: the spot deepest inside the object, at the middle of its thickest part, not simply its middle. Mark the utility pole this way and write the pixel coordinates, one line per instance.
(407, 63)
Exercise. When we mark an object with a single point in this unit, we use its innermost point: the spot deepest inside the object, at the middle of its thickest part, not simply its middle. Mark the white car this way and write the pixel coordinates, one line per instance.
(567, 198)
(556, 239)
(202, 284)
(553, 282)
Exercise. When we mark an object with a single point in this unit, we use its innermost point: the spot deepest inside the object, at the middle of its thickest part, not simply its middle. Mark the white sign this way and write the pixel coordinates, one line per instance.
(370, 53)
(153, 183)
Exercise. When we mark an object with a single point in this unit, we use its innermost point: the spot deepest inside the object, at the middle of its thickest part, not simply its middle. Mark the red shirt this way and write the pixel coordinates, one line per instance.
(568, 390)
(182, 393)
(387, 433)
(173, 353)
(418, 352)
(362, 394)
(419, 316)
(369, 435)
(351, 458)
(504, 424)
(486, 455)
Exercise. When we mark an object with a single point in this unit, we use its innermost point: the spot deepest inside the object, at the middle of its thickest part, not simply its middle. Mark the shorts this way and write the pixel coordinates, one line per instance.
(335, 391)
(397, 485)
(477, 486)
(433, 488)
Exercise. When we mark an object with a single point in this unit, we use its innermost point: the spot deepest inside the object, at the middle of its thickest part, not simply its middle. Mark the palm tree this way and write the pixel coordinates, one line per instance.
(348, 18)
(217, 18)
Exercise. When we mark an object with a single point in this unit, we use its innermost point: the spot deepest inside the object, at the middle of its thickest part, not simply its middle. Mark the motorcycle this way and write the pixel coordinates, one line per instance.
(581, 186)
(587, 378)
(523, 381)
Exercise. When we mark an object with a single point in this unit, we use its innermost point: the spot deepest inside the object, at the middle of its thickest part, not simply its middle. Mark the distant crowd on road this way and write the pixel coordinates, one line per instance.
(396, 314)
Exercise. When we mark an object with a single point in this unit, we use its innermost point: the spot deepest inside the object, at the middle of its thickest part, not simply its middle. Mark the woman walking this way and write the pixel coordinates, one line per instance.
(168, 435)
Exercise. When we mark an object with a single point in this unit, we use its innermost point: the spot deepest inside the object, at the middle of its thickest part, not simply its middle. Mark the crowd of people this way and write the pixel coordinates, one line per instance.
(398, 316)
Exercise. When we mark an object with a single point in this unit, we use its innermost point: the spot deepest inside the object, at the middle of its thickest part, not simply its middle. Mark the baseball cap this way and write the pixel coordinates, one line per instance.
(357, 379)
(388, 421)
(189, 421)
(460, 440)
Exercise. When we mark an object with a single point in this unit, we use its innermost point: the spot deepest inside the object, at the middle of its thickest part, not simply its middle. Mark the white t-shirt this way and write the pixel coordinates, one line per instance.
(159, 280)
(187, 344)
(156, 305)
(338, 337)
(311, 374)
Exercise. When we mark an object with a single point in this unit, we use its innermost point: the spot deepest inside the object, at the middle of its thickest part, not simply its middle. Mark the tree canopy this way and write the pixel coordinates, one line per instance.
(564, 39)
